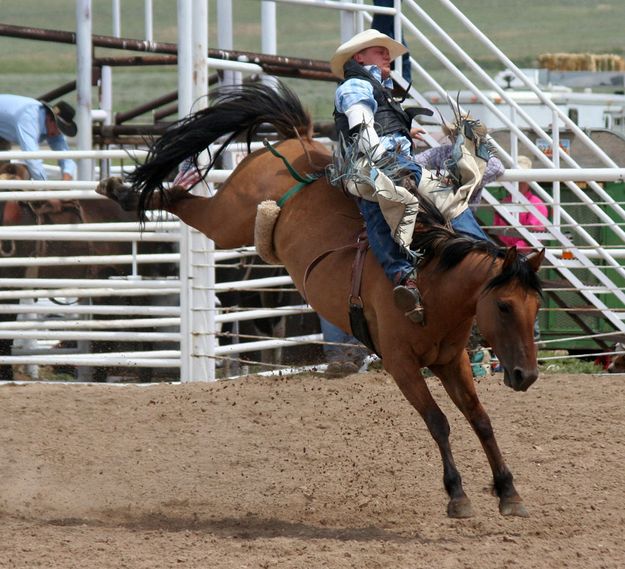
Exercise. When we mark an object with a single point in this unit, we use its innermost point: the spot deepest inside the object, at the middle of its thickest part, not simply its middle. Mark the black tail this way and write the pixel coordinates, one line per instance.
(234, 111)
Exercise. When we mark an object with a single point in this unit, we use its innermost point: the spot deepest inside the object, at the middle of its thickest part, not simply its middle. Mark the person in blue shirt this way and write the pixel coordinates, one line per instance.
(28, 122)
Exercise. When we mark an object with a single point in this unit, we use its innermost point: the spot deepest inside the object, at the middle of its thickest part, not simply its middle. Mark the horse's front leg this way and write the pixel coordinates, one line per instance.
(459, 384)
(414, 388)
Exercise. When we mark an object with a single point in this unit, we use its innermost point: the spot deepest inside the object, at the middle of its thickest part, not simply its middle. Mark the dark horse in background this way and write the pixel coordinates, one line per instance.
(251, 268)
(460, 280)
(54, 212)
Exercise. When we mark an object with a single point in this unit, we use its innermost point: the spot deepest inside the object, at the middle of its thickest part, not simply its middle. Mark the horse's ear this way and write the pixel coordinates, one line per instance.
(511, 255)
(535, 259)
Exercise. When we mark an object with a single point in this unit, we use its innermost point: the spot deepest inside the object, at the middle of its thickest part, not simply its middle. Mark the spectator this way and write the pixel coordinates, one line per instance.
(386, 24)
(526, 218)
(436, 157)
(28, 122)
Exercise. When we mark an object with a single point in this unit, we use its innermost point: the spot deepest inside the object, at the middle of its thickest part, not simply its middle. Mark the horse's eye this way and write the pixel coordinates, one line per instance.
(504, 307)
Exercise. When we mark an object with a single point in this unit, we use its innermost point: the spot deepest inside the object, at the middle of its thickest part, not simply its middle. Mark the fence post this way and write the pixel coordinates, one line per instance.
(225, 39)
(185, 100)
(83, 85)
(269, 43)
(203, 300)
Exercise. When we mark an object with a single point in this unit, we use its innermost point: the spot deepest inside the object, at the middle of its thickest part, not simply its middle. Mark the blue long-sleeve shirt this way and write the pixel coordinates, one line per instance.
(357, 90)
(23, 122)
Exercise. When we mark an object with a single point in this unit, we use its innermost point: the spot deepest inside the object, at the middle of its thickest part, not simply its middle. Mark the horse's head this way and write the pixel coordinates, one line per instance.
(506, 313)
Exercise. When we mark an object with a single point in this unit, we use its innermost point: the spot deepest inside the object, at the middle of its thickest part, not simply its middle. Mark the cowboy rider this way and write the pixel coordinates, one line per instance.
(364, 106)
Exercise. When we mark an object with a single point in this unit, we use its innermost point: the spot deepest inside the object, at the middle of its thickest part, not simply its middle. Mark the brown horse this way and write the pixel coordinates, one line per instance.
(461, 278)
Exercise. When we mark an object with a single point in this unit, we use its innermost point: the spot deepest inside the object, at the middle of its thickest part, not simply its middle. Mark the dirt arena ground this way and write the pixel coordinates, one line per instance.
(304, 472)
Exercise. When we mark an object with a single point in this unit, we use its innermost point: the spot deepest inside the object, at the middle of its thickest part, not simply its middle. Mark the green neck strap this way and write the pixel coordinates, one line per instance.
(303, 180)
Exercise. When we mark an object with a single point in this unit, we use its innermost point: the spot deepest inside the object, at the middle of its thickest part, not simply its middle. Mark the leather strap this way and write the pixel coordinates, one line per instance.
(357, 320)
(362, 245)
(317, 260)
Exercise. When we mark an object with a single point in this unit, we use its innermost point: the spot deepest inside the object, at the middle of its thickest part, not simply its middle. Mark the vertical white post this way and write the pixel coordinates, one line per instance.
(269, 43)
(348, 26)
(135, 264)
(106, 89)
(185, 100)
(84, 137)
(359, 18)
(225, 38)
(32, 370)
(514, 140)
(84, 61)
(185, 62)
(117, 21)
(148, 20)
(199, 54)
(106, 93)
(106, 86)
(555, 136)
(203, 299)
(514, 152)
(399, 66)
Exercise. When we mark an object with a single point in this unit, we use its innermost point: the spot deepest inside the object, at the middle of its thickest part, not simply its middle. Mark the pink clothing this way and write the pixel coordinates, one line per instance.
(526, 219)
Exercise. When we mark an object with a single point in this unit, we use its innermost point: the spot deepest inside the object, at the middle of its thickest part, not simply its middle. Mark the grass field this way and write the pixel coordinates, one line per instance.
(522, 30)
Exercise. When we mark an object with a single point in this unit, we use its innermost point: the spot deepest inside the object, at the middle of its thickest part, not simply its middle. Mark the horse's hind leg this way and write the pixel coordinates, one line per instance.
(458, 382)
(128, 198)
(414, 388)
(115, 189)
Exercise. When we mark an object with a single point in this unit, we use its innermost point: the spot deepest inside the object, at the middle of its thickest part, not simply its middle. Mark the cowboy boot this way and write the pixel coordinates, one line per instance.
(408, 299)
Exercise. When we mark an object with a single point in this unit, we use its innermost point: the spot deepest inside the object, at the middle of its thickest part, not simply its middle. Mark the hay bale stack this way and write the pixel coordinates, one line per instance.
(581, 62)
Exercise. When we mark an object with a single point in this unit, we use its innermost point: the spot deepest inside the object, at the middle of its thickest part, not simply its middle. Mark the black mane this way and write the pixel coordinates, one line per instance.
(439, 243)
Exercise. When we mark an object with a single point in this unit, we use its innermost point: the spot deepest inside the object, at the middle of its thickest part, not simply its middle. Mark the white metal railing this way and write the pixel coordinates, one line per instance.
(357, 12)
(107, 330)
(552, 227)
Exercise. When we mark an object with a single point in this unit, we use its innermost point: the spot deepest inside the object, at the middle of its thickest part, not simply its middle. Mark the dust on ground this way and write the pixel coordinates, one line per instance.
(304, 472)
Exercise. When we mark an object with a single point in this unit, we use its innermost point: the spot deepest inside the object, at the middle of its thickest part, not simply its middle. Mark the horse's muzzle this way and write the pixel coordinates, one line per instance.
(520, 379)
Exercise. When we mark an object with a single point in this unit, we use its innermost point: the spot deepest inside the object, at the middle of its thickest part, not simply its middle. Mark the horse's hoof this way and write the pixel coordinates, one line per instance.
(115, 189)
(460, 508)
(107, 187)
(338, 369)
(513, 508)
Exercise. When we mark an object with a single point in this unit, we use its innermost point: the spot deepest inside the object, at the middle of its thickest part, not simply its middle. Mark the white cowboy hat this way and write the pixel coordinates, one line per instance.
(524, 162)
(363, 40)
